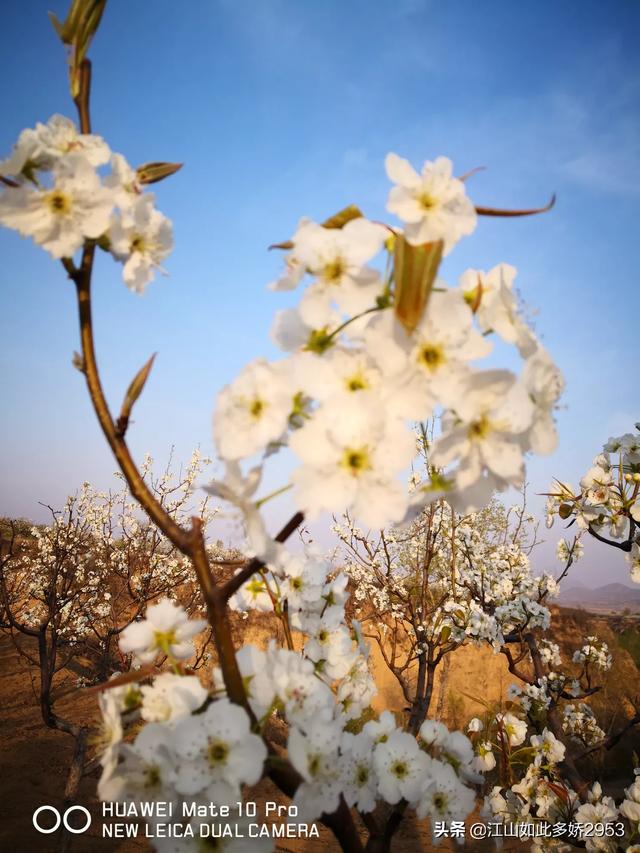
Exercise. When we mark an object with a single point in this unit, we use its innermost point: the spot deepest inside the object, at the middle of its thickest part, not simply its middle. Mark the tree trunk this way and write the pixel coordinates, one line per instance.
(73, 783)
(442, 689)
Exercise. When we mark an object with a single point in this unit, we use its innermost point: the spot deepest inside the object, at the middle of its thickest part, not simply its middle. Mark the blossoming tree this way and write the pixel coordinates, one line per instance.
(412, 585)
(377, 342)
(607, 506)
(69, 589)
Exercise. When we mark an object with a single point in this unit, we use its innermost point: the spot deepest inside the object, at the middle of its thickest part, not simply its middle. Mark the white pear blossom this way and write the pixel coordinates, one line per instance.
(166, 629)
(630, 806)
(61, 217)
(485, 759)
(498, 309)
(358, 776)
(315, 756)
(548, 749)
(171, 696)
(240, 491)
(514, 729)
(339, 374)
(351, 462)
(304, 580)
(142, 238)
(433, 733)
(633, 558)
(596, 485)
(290, 332)
(491, 414)
(380, 729)
(602, 812)
(299, 689)
(253, 411)
(110, 730)
(433, 205)
(43, 146)
(429, 366)
(443, 796)
(259, 686)
(124, 183)
(401, 767)
(545, 384)
(147, 771)
(253, 595)
(337, 257)
(329, 644)
(217, 753)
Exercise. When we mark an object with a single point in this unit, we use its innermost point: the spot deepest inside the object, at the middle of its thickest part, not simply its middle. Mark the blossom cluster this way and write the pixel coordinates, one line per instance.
(595, 652)
(608, 501)
(359, 372)
(57, 195)
(377, 342)
(541, 795)
(85, 576)
(580, 723)
(314, 598)
(479, 588)
(196, 744)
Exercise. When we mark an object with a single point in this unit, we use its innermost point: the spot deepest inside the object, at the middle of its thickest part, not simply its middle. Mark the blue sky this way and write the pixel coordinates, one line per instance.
(284, 108)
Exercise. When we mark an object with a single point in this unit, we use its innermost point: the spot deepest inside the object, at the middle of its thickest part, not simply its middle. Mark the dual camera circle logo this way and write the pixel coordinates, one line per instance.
(61, 819)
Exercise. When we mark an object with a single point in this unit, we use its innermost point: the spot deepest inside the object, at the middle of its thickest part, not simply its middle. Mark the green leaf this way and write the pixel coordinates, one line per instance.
(133, 392)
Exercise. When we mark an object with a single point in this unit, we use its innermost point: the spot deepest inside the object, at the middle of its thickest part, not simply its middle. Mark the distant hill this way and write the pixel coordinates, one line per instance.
(612, 595)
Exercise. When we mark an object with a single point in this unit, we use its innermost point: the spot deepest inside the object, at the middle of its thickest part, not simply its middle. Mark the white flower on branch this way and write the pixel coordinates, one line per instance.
(124, 183)
(443, 796)
(359, 782)
(351, 462)
(253, 410)
(491, 414)
(147, 771)
(61, 217)
(171, 697)
(315, 756)
(240, 491)
(141, 237)
(337, 258)
(401, 767)
(512, 728)
(43, 146)
(433, 205)
(429, 366)
(166, 629)
(217, 753)
(485, 759)
(548, 749)
(498, 309)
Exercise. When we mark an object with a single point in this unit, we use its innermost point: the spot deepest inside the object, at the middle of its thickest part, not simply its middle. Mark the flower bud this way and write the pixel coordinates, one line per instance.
(151, 173)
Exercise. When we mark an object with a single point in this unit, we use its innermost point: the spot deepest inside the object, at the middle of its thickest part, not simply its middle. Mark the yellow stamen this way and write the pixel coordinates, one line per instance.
(431, 356)
(58, 203)
(479, 429)
(356, 460)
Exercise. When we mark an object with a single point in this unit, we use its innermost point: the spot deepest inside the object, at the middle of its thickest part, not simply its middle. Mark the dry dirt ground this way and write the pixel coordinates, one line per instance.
(34, 760)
